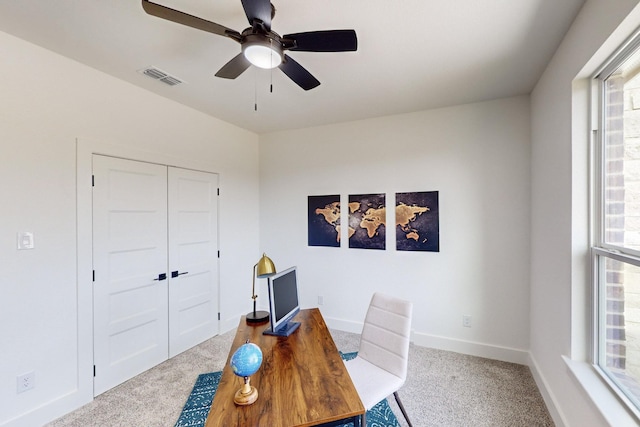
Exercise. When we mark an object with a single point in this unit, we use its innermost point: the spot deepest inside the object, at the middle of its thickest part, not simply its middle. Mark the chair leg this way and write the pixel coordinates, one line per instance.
(404, 412)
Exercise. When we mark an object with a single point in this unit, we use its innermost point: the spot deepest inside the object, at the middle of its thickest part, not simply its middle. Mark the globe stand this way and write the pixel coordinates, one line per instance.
(247, 394)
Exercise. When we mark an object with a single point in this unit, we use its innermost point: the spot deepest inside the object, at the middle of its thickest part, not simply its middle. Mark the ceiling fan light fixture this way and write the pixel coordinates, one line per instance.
(263, 56)
(260, 45)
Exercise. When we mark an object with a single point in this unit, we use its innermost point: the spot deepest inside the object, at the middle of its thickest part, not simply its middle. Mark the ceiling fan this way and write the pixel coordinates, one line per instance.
(260, 45)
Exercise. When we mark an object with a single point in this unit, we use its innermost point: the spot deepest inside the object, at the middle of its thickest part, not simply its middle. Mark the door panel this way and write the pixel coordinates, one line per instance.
(130, 251)
(193, 253)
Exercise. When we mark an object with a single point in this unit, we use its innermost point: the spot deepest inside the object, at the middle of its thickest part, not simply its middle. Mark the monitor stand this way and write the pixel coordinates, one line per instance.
(286, 330)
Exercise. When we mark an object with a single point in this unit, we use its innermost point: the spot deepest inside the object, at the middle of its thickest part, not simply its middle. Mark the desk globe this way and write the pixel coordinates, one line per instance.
(245, 362)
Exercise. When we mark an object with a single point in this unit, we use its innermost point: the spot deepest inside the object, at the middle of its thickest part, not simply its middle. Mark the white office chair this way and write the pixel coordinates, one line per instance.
(380, 368)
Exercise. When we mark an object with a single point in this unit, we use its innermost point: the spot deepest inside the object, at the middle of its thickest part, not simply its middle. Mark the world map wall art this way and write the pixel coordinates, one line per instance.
(367, 221)
(416, 221)
(324, 221)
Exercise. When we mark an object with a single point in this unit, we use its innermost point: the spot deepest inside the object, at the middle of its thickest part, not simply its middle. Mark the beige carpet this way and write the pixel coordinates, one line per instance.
(443, 389)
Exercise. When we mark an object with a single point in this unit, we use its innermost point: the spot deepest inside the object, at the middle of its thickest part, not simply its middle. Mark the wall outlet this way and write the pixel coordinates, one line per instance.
(466, 321)
(320, 300)
(26, 381)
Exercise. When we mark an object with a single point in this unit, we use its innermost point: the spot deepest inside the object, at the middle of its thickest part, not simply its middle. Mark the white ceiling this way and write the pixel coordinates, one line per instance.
(412, 54)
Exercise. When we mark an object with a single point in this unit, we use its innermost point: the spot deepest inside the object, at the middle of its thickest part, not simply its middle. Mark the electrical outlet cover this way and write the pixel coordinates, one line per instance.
(466, 321)
(26, 381)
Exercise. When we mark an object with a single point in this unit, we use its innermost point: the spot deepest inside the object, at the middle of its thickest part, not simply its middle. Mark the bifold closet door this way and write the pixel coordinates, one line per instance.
(193, 258)
(130, 259)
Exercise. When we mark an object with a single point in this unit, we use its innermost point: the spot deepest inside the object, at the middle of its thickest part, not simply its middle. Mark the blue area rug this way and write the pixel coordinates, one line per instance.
(195, 411)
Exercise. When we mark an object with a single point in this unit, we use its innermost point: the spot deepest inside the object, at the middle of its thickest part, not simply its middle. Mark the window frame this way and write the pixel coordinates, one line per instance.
(600, 250)
(632, 403)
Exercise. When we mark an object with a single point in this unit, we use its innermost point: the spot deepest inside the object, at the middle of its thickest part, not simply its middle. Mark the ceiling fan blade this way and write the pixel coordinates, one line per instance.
(298, 73)
(324, 41)
(234, 68)
(260, 9)
(188, 20)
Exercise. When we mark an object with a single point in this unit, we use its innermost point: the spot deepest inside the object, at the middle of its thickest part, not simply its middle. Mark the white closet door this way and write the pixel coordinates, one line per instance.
(130, 254)
(193, 258)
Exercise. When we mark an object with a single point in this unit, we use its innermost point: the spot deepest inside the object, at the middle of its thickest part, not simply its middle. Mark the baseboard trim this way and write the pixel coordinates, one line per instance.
(489, 351)
(545, 391)
(50, 411)
(343, 325)
(505, 354)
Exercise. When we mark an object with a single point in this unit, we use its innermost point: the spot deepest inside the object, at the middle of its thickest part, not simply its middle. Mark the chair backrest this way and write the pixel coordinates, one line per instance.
(386, 334)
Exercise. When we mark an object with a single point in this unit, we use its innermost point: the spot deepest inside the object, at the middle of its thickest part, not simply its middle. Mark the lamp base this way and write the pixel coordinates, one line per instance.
(257, 317)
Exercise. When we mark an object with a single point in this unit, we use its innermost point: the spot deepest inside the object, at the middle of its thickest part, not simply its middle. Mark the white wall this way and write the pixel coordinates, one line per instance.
(46, 102)
(559, 273)
(477, 157)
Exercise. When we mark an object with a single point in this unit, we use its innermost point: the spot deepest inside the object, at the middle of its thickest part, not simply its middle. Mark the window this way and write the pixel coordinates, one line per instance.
(616, 224)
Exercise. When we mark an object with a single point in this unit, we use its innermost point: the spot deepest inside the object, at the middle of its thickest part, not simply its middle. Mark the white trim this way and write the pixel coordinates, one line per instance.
(619, 56)
(344, 325)
(599, 247)
(472, 348)
(85, 150)
(547, 394)
(489, 351)
(612, 409)
(47, 411)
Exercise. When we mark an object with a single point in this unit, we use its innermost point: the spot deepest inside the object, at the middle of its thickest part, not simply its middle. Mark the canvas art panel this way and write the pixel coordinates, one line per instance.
(417, 221)
(324, 220)
(367, 221)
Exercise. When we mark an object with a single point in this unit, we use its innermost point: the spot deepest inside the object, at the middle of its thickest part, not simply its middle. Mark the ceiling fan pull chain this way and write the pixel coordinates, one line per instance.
(255, 91)
(271, 69)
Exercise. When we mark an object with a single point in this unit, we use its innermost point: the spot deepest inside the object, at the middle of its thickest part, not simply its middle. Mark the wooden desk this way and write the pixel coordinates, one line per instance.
(302, 380)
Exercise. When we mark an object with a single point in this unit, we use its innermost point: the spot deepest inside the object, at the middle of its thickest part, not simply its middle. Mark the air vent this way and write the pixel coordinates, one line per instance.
(160, 75)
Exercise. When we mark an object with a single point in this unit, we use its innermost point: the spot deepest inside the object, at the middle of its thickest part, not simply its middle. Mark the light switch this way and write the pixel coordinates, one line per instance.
(25, 240)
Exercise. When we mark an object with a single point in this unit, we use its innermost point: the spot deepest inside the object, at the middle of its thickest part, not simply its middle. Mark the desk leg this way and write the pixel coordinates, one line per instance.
(362, 420)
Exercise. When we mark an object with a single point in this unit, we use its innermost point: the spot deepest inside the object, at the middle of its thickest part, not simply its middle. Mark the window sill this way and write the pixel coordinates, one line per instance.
(612, 409)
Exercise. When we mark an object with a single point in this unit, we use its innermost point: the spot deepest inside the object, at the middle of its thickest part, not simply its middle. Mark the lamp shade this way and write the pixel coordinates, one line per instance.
(265, 267)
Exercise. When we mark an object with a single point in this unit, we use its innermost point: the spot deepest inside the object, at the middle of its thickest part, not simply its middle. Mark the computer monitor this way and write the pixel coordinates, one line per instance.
(283, 303)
